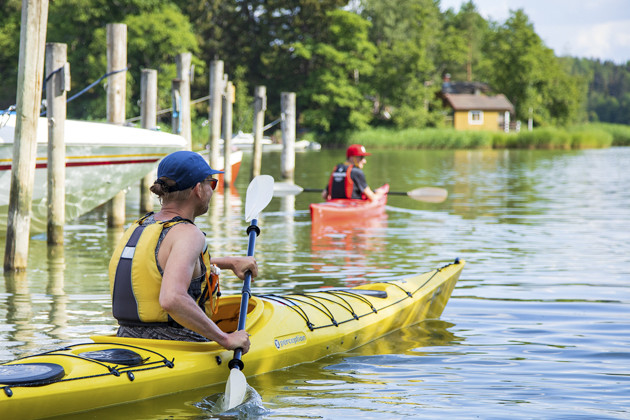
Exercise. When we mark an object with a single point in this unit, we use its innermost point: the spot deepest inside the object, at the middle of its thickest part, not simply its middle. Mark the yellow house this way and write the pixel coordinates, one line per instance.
(479, 112)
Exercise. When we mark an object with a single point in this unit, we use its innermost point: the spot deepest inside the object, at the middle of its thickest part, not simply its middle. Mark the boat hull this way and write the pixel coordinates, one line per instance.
(343, 209)
(236, 157)
(285, 331)
(101, 160)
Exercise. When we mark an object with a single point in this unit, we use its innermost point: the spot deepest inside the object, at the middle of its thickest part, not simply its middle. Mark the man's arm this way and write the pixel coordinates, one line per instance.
(373, 195)
(239, 265)
(186, 243)
(358, 177)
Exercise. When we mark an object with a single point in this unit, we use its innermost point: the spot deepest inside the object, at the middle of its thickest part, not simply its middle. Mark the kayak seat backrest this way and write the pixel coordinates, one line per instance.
(30, 373)
(114, 356)
(229, 309)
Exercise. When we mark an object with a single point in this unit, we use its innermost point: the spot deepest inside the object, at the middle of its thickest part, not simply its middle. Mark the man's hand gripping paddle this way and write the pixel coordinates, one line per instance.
(259, 194)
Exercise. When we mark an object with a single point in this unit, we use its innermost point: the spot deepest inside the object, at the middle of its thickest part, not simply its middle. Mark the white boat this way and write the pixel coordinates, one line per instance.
(245, 141)
(101, 160)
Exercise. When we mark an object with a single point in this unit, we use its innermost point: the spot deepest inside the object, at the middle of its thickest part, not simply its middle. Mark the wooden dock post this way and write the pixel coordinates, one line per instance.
(29, 95)
(216, 96)
(260, 105)
(116, 98)
(56, 88)
(287, 160)
(228, 100)
(148, 120)
(176, 100)
(183, 61)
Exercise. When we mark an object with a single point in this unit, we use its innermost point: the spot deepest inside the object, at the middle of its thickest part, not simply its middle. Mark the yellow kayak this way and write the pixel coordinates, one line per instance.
(286, 330)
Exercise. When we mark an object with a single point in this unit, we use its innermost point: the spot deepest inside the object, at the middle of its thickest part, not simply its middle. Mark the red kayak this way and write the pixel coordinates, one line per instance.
(344, 209)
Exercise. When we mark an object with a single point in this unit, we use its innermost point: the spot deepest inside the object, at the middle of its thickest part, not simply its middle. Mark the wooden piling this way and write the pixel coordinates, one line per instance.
(287, 160)
(260, 105)
(148, 120)
(116, 98)
(176, 100)
(29, 95)
(183, 61)
(228, 101)
(216, 95)
(56, 88)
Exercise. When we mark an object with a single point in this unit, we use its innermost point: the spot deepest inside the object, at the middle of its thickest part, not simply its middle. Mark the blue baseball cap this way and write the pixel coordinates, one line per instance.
(185, 168)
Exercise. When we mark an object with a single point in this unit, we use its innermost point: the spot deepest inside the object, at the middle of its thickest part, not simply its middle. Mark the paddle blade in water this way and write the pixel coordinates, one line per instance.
(235, 389)
(429, 194)
(282, 189)
(259, 194)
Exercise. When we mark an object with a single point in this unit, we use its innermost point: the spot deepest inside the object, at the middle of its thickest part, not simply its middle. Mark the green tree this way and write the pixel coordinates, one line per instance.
(462, 43)
(406, 77)
(530, 75)
(9, 50)
(77, 23)
(334, 63)
(609, 89)
(229, 31)
(153, 40)
(243, 112)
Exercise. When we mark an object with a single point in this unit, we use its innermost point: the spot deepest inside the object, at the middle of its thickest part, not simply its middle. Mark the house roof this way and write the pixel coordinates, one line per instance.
(467, 102)
(465, 87)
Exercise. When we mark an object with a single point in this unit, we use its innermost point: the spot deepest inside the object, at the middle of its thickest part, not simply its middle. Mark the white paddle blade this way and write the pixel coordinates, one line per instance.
(429, 194)
(282, 189)
(235, 389)
(259, 194)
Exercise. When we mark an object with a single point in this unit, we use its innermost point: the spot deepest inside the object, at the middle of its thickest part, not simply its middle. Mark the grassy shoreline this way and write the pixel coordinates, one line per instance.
(596, 135)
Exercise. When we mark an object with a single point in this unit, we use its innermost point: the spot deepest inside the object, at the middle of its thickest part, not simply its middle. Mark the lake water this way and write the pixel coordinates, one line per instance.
(537, 327)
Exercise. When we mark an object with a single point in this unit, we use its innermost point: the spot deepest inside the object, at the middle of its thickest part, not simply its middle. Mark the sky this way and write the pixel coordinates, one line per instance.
(579, 28)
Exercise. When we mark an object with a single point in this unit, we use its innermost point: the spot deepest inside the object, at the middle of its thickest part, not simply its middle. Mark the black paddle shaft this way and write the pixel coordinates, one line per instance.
(320, 190)
(252, 230)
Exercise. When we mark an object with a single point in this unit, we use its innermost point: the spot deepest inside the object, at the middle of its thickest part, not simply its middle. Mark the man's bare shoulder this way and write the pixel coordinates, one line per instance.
(186, 234)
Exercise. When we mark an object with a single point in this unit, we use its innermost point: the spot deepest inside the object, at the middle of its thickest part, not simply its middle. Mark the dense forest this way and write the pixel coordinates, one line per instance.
(367, 64)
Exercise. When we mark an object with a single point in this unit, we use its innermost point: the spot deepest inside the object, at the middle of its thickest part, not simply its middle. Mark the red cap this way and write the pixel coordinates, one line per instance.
(356, 150)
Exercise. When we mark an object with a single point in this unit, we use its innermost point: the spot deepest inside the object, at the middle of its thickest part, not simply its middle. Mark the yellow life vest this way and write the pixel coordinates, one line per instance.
(135, 280)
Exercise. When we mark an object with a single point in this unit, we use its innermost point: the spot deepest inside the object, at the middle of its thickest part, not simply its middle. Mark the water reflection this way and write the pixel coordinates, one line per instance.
(362, 379)
(287, 208)
(220, 223)
(350, 246)
(57, 316)
(114, 235)
(19, 309)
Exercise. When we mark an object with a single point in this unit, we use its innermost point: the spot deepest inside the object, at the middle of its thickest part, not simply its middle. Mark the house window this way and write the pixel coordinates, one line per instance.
(475, 117)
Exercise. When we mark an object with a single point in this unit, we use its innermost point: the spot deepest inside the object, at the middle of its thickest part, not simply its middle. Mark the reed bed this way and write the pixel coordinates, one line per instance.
(620, 132)
(582, 137)
(430, 138)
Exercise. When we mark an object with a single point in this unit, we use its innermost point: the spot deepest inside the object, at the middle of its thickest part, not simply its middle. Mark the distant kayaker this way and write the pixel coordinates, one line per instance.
(164, 283)
(347, 180)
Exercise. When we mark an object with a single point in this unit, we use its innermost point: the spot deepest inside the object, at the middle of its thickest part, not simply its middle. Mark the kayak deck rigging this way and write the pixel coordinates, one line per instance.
(111, 368)
(314, 300)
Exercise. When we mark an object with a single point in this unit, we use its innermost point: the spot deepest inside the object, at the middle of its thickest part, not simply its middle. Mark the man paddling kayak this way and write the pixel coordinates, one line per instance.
(164, 283)
(347, 180)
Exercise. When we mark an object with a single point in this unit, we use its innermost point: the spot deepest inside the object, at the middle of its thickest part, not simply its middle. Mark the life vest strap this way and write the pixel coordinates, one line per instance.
(124, 303)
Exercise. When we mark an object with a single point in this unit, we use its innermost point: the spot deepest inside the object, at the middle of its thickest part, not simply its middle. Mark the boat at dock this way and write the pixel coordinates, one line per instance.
(245, 141)
(101, 160)
(286, 330)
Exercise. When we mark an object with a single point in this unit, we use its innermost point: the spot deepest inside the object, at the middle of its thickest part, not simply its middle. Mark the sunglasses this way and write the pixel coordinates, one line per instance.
(213, 183)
